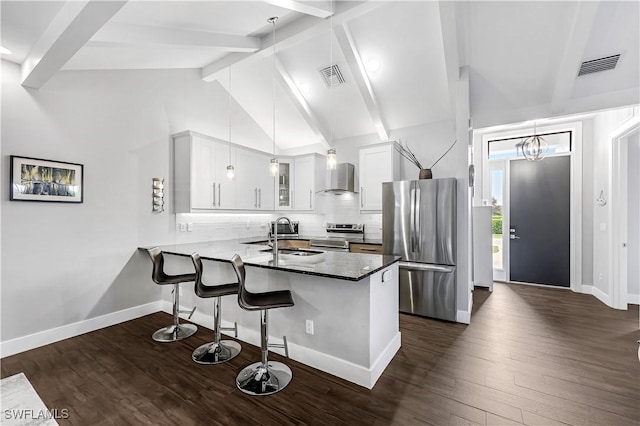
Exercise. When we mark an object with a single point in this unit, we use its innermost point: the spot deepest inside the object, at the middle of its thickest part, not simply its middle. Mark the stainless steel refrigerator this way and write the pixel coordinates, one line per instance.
(419, 224)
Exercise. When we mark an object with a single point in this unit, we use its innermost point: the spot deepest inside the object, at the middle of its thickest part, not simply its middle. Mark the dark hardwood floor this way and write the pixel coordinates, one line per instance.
(532, 355)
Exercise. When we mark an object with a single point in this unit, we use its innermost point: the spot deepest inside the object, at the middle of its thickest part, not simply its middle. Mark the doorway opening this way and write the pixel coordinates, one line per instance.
(536, 205)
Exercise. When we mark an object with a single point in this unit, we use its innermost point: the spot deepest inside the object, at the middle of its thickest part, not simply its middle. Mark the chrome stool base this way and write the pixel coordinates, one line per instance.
(174, 333)
(256, 380)
(212, 353)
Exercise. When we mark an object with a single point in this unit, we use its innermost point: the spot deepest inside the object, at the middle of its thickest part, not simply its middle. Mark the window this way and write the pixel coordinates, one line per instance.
(509, 148)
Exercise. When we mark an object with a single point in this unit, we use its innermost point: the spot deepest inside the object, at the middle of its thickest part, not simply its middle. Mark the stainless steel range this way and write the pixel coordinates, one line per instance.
(339, 235)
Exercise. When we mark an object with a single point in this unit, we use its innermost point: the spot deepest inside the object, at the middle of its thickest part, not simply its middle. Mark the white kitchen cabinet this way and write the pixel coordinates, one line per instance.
(308, 178)
(200, 182)
(377, 164)
(254, 183)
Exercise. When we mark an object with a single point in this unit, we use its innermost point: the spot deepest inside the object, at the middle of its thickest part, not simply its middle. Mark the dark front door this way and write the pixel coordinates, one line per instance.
(540, 218)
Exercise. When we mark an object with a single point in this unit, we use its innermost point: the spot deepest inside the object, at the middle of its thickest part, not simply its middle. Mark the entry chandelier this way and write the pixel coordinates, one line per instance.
(274, 167)
(534, 148)
(331, 159)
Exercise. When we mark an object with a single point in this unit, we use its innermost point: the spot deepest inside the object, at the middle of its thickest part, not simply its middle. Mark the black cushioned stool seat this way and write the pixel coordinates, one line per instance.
(219, 350)
(264, 377)
(175, 331)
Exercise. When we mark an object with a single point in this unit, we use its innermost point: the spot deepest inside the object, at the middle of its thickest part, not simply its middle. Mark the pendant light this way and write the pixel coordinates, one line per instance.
(231, 172)
(274, 167)
(332, 160)
(534, 148)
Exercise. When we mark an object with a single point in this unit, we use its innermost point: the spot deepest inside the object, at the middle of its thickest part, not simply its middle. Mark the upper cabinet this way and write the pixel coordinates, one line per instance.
(200, 164)
(201, 183)
(377, 164)
(308, 178)
(254, 183)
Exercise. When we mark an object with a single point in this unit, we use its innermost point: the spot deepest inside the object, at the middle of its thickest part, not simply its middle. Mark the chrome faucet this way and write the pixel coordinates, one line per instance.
(275, 235)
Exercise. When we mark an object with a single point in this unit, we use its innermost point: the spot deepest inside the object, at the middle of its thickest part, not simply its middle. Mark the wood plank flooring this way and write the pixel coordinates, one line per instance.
(532, 356)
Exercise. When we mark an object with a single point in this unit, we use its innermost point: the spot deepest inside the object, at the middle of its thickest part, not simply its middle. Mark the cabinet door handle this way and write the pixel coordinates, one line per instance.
(259, 197)
(219, 195)
(214, 194)
(361, 197)
(255, 197)
(310, 199)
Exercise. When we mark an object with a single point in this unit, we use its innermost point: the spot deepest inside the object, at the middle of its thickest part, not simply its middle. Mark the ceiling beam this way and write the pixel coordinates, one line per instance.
(291, 89)
(296, 32)
(139, 35)
(317, 8)
(71, 29)
(351, 54)
(579, 34)
(449, 31)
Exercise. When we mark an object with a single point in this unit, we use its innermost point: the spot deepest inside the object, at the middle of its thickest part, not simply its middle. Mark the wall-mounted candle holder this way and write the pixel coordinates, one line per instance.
(158, 195)
(601, 201)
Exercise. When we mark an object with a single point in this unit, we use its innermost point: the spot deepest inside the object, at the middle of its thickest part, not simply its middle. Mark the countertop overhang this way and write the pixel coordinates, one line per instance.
(330, 264)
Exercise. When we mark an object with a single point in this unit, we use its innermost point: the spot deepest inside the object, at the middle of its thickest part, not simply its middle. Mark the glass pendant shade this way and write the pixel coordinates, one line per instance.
(535, 148)
(332, 159)
(231, 171)
(274, 167)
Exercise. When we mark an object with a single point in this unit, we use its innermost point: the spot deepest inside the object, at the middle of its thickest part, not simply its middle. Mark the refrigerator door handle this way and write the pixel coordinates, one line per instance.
(414, 266)
(412, 218)
(416, 226)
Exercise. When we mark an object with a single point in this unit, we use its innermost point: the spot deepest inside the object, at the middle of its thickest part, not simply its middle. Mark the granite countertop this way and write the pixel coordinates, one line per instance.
(331, 264)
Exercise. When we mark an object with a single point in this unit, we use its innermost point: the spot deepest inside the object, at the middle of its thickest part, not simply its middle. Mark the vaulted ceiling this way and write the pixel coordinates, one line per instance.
(523, 57)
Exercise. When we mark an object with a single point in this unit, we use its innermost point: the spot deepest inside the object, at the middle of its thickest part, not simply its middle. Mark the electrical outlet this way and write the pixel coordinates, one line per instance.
(309, 326)
(183, 227)
(600, 277)
(190, 227)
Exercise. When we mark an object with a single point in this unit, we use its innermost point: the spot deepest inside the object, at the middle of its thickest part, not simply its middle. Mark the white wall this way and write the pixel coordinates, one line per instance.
(604, 124)
(633, 255)
(65, 263)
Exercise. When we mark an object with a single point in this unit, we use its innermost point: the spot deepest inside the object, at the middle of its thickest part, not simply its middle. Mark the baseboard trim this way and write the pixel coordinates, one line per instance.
(597, 293)
(46, 337)
(355, 373)
(464, 317)
(633, 299)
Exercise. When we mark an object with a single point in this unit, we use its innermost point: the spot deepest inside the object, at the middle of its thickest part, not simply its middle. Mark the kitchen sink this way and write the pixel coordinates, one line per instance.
(295, 252)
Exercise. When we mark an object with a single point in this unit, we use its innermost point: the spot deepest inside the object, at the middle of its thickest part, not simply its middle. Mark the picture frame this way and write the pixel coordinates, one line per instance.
(37, 179)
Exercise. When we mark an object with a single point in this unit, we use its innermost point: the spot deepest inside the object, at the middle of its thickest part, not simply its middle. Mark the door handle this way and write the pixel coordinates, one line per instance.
(214, 194)
(417, 223)
(259, 197)
(219, 195)
(513, 237)
(310, 199)
(255, 197)
(412, 219)
(361, 197)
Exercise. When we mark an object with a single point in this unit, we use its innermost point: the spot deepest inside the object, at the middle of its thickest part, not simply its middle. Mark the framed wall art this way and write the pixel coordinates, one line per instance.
(35, 179)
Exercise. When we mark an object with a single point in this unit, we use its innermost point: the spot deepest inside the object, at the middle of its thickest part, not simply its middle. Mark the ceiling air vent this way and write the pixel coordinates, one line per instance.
(332, 76)
(597, 65)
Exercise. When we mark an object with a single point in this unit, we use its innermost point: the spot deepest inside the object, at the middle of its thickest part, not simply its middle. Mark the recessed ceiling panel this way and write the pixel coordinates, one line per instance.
(23, 22)
(340, 109)
(406, 40)
(515, 51)
(141, 57)
(252, 87)
(607, 39)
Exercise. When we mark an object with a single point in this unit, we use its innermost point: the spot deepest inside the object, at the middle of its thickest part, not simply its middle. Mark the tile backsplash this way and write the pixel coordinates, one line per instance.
(331, 208)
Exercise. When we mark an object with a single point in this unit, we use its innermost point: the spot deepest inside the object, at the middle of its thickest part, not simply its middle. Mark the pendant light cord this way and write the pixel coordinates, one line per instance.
(273, 80)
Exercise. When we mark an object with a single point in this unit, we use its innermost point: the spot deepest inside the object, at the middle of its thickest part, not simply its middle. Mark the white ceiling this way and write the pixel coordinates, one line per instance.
(522, 56)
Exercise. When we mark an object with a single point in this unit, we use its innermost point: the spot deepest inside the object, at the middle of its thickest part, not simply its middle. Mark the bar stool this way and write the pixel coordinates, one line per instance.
(175, 331)
(264, 377)
(217, 351)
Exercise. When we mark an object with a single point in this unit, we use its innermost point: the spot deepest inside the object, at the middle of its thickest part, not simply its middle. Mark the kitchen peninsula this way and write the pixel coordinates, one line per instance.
(351, 300)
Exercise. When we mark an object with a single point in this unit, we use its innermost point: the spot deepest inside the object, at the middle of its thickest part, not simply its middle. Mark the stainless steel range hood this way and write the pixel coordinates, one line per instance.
(342, 179)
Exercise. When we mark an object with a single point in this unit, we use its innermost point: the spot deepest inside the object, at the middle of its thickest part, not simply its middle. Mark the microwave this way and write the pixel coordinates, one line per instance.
(283, 229)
